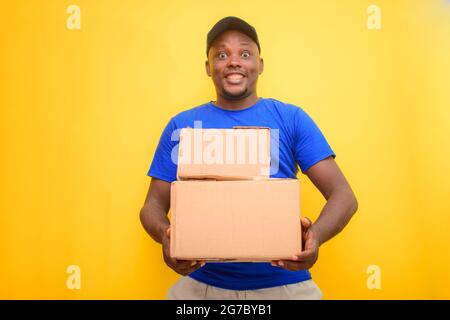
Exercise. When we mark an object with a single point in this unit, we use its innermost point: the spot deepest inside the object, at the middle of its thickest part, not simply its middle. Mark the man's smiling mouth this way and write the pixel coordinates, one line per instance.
(234, 78)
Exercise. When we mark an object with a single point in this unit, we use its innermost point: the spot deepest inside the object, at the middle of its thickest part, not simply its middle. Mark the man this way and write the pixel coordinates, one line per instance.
(234, 64)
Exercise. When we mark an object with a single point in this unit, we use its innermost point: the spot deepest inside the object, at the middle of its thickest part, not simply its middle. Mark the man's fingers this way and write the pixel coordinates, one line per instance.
(199, 264)
(304, 255)
(293, 265)
(310, 245)
(185, 263)
(289, 264)
(185, 267)
(191, 268)
(179, 265)
(306, 223)
(182, 265)
(190, 263)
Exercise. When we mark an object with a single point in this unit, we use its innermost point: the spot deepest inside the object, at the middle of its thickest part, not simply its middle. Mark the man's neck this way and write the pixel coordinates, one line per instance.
(236, 104)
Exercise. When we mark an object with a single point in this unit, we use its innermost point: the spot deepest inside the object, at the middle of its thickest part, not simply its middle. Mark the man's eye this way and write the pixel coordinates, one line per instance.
(245, 54)
(222, 55)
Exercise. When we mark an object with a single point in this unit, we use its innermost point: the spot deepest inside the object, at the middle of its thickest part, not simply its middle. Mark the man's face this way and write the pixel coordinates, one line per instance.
(234, 65)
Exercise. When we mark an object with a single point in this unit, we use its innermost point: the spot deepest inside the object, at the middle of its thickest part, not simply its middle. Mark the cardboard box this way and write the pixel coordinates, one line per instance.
(235, 220)
(241, 153)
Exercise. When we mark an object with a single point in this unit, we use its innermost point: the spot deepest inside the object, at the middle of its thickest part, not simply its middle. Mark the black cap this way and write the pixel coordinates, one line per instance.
(231, 23)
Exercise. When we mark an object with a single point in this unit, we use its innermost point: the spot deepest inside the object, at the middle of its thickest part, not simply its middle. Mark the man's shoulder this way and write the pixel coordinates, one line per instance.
(190, 113)
(285, 107)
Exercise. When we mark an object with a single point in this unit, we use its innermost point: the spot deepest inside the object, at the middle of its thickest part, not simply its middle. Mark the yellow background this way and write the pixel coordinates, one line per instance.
(82, 112)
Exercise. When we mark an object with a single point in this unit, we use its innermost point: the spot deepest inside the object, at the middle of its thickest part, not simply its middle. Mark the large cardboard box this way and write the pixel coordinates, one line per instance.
(241, 153)
(235, 220)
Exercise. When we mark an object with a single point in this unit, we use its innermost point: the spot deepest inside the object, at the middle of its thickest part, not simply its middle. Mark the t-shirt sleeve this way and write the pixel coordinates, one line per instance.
(310, 144)
(163, 166)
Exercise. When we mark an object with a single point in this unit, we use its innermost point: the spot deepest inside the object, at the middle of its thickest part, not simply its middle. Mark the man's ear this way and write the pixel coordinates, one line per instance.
(208, 69)
(261, 65)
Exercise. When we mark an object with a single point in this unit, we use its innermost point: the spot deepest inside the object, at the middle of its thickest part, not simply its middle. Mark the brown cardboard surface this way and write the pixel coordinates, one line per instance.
(242, 153)
(235, 220)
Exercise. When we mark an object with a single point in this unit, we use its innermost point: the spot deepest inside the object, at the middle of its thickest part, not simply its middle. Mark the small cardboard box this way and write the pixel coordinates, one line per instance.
(241, 153)
(235, 220)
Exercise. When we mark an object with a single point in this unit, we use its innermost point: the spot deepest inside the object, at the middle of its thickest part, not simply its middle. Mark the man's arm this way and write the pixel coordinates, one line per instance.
(341, 201)
(337, 212)
(153, 214)
(154, 220)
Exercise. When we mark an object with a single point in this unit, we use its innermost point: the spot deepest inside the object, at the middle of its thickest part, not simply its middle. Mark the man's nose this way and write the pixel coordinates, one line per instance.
(234, 61)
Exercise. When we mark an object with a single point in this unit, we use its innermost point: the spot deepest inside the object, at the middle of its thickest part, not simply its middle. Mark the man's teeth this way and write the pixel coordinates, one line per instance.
(235, 78)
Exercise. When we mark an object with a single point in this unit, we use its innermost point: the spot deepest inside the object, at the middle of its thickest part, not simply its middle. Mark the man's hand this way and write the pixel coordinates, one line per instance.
(310, 253)
(183, 267)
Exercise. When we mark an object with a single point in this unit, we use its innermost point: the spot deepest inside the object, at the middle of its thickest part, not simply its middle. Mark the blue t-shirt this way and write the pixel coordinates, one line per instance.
(301, 144)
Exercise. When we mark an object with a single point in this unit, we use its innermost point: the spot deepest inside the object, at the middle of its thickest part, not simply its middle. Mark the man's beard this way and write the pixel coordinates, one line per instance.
(239, 96)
